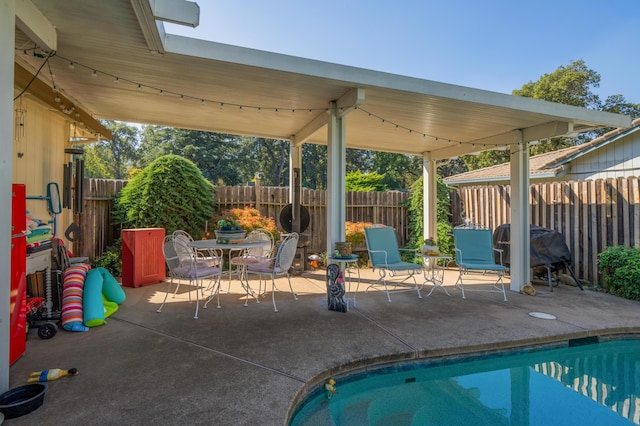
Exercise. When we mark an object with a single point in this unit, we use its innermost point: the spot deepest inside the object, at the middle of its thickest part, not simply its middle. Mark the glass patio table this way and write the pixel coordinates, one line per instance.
(236, 245)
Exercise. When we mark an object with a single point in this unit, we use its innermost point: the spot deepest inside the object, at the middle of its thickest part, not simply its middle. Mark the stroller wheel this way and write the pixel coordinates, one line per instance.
(47, 330)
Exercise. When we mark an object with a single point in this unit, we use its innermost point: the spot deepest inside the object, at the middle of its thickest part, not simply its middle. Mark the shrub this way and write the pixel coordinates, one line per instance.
(170, 193)
(111, 259)
(416, 211)
(620, 270)
(354, 232)
(249, 218)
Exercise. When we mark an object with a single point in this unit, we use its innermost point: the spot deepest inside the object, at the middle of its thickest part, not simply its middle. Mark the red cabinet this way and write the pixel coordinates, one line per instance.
(18, 306)
(142, 259)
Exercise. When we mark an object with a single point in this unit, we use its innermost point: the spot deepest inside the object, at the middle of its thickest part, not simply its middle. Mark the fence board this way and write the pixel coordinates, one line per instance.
(592, 215)
(376, 207)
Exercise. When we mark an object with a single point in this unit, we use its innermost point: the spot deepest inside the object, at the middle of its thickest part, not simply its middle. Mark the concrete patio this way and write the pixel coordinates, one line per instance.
(248, 365)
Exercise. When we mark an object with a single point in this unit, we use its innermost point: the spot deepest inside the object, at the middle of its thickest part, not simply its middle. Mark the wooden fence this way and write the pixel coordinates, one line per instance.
(388, 208)
(98, 230)
(592, 215)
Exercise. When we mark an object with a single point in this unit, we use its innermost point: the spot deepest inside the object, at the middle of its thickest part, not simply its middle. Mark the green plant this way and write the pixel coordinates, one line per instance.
(430, 242)
(169, 193)
(249, 218)
(444, 227)
(111, 260)
(620, 269)
(354, 232)
(228, 224)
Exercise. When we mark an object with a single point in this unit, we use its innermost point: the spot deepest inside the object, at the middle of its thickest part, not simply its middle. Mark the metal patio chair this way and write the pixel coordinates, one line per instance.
(278, 266)
(255, 254)
(384, 255)
(474, 251)
(182, 262)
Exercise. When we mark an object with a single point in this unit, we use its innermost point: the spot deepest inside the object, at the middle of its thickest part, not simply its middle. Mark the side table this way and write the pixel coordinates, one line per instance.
(346, 265)
(433, 270)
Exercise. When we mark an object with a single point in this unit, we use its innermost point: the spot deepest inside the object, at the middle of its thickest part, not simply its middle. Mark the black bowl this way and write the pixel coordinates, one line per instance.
(22, 400)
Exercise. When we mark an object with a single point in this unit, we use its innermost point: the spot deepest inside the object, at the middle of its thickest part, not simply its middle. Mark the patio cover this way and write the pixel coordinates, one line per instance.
(114, 61)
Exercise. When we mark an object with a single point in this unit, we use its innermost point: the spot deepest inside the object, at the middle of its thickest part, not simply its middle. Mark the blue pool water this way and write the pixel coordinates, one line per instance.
(582, 384)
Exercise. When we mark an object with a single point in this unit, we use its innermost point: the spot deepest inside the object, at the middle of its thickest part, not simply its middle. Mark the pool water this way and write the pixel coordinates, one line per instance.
(582, 384)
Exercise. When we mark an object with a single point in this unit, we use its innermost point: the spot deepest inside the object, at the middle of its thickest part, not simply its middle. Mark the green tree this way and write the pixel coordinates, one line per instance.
(486, 159)
(96, 164)
(272, 159)
(215, 154)
(314, 166)
(416, 214)
(169, 193)
(359, 159)
(619, 105)
(113, 158)
(569, 85)
(364, 182)
(400, 170)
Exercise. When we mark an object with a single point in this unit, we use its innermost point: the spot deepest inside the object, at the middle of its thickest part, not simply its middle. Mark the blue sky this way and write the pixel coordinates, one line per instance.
(496, 45)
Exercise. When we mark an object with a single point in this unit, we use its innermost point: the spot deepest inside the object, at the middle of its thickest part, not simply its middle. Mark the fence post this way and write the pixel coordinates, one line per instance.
(258, 191)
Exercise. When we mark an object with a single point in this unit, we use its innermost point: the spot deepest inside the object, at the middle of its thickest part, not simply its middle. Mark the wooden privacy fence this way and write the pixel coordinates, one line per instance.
(592, 215)
(98, 230)
(387, 208)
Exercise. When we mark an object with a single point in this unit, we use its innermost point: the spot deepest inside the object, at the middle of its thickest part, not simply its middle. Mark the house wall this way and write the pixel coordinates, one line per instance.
(38, 156)
(618, 159)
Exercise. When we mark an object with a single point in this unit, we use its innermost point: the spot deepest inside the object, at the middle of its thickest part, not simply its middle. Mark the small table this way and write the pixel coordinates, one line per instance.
(346, 264)
(237, 246)
(433, 271)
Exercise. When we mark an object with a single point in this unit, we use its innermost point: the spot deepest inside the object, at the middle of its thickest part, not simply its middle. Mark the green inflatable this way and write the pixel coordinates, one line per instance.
(102, 295)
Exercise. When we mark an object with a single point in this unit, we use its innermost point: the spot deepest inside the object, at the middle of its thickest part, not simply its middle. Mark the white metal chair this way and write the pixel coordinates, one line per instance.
(384, 255)
(278, 266)
(183, 265)
(475, 252)
(253, 255)
(205, 257)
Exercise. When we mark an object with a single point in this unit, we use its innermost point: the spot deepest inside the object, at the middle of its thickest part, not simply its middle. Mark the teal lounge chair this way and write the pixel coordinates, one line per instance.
(474, 252)
(384, 255)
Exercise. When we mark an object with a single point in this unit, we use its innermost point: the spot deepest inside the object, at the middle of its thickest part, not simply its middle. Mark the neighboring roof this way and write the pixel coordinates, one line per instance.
(144, 75)
(548, 165)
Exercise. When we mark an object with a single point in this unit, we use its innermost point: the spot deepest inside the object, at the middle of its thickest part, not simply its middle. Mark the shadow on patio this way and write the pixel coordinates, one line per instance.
(246, 365)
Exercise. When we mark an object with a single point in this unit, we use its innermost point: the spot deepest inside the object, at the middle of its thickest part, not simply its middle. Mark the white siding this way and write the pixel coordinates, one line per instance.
(618, 159)
(43, 158)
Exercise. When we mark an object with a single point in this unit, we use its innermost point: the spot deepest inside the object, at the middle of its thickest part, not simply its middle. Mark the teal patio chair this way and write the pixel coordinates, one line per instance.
(475, 252)
(384, 255)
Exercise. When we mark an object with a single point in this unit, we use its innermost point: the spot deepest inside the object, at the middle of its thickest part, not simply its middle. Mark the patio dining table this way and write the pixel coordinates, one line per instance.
(231, 247)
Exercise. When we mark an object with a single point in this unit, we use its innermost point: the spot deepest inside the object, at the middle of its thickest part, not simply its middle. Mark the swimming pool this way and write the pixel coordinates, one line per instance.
(582, 383)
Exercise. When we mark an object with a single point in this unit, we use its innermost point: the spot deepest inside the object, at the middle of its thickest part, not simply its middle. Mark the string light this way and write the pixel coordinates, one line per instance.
(259, 108)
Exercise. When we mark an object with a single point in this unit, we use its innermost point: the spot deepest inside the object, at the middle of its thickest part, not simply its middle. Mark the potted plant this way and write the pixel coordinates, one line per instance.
(229, 229)
(228, 224)
(430, 247)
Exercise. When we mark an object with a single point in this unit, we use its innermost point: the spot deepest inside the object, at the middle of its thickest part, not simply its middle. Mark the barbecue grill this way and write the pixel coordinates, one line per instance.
(548, 253)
